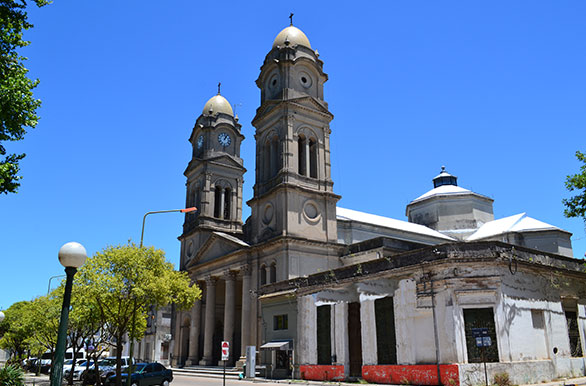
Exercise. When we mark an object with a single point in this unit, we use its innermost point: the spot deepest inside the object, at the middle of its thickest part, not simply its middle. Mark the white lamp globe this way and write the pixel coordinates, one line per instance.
(1, 316)
(72, 255)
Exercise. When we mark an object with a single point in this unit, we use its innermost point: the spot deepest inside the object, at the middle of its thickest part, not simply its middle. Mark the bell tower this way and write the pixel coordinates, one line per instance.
(214, 176)
(293, 193)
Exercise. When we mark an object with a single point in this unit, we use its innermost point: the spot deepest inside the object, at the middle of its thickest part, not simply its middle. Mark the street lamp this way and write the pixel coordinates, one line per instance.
(1, 316)
(72, 256)
(186, 210)
(131, 349)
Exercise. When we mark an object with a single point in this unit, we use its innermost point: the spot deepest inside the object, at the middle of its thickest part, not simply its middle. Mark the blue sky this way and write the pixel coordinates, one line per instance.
(495, 91)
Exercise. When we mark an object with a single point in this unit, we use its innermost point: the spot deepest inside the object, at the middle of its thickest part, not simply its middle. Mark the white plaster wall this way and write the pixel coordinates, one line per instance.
(527, 342)
(528, 372)
(307, 330)
(341, 337)
(368, 332)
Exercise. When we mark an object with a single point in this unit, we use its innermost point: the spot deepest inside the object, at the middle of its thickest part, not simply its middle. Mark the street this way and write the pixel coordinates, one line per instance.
(187, 380)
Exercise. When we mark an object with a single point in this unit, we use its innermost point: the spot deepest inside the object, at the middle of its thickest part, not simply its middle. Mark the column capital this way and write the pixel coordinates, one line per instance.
(229, 275)
(246, 270)
(211, 280)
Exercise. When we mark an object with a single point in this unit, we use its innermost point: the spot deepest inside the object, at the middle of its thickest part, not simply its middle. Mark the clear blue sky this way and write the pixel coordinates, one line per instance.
(496, 91)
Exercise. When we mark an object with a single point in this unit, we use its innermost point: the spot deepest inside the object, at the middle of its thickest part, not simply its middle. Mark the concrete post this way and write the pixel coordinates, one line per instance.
(194, 330)
(229, 310)
(177, 339)
(209, 322)
(246, 316)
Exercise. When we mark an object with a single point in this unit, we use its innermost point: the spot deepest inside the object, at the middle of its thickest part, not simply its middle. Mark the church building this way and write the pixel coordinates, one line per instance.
(329, 293)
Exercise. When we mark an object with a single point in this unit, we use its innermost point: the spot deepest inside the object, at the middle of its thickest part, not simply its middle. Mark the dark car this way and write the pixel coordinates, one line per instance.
(145, 374)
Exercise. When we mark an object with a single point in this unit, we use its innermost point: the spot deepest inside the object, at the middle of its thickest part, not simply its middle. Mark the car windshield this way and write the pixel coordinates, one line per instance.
(108, 362)
(139, 368)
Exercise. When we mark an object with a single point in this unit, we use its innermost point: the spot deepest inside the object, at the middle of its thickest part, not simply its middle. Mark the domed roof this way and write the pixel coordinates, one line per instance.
(293, 35)
(218, 104)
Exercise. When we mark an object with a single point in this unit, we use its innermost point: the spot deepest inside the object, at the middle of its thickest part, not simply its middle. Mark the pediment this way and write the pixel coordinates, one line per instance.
(311, 103)
(225, 159)
(219, 244)
(304, 102)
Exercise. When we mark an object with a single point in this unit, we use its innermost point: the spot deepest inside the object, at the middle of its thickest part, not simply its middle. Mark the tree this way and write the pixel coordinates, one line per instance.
(17, 105)
(14, 331)
(576, 206)
(41, 317)
(125, 281)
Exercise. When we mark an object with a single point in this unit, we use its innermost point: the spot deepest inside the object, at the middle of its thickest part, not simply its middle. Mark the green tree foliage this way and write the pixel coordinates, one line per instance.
(576, 206)
(17, 104)
(41, 318)
(15, 332)
(125, 281)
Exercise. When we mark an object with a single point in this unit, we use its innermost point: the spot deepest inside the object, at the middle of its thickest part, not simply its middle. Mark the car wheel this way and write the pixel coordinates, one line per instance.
(165, 383)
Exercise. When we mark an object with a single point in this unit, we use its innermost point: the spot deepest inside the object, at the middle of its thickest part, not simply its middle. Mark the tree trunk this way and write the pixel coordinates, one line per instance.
(119, 361)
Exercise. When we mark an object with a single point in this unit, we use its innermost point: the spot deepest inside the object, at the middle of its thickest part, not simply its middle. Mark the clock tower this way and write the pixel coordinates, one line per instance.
(214, 177)
(293, 193)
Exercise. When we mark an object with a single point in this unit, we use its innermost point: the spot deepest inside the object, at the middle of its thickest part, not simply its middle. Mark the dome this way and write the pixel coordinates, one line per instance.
(218, 104)
(293, 35)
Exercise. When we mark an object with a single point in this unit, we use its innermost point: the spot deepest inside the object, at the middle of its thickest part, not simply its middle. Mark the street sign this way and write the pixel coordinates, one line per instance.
(481, 337)
(225, 350)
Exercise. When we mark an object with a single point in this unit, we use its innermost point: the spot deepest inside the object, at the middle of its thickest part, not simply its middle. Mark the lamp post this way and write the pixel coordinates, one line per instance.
(131, 349)
(186, 210)
(72, 256)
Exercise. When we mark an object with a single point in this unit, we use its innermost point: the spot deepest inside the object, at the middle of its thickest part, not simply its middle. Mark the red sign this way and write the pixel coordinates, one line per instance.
(225, 350)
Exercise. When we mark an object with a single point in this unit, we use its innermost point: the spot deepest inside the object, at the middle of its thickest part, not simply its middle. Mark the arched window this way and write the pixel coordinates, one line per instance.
(273, 272)
(275, 156)
(227, 202)
(301, 155)
(197, 200)
(267, 161)
(218, 202)
(263, 274)
(312, 158)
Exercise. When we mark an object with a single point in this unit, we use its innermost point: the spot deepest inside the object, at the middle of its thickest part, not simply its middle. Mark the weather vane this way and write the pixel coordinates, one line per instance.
(219, 84)
(291, 18)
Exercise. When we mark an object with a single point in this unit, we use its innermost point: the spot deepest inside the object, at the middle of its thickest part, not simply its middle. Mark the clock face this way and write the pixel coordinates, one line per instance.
(200, 142)
(224, 139)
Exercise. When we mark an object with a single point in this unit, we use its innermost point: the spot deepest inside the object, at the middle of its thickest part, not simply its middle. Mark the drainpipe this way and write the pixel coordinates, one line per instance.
(435, 333)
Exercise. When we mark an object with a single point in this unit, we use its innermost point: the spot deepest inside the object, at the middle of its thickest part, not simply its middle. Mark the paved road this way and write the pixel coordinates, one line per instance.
(188, 380)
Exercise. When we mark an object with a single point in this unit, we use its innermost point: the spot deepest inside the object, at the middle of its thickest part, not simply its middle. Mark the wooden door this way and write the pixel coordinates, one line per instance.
(354, 339)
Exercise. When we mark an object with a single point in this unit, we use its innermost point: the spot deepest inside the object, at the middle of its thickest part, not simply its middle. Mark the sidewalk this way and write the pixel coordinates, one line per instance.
(32, 379)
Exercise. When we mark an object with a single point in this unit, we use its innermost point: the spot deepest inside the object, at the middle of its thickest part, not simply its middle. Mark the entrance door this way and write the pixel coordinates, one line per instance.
(354, 339)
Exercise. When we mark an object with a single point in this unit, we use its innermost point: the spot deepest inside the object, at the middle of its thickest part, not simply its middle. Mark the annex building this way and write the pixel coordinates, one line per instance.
(330, 293)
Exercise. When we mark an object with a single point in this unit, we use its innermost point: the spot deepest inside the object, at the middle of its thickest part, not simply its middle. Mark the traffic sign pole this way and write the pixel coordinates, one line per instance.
(225, 356)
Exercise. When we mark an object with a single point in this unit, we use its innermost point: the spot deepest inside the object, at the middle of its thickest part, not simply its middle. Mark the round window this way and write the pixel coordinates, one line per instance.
(305, 79)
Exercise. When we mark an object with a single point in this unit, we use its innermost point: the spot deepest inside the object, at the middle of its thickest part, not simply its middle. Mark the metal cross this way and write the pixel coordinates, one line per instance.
(219, 84)
(291, 18)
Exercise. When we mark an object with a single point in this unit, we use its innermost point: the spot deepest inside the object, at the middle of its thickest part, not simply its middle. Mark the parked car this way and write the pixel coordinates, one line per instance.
(69, 364)
(109, 369)
(82, 370)
(45, 366)
(145, 374)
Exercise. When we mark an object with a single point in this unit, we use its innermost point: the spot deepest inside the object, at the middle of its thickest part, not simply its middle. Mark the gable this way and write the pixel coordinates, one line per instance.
(217, 245)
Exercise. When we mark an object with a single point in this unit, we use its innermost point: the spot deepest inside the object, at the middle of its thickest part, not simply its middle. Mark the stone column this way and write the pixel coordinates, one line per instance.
(222, 198)
(177, 339)
(194, 330)
(229, 310)
(246, 316)
(209, 322)
(307, 156)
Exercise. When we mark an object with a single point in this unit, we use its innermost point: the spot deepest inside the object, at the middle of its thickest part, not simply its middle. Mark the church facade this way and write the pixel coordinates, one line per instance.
(329, 293)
